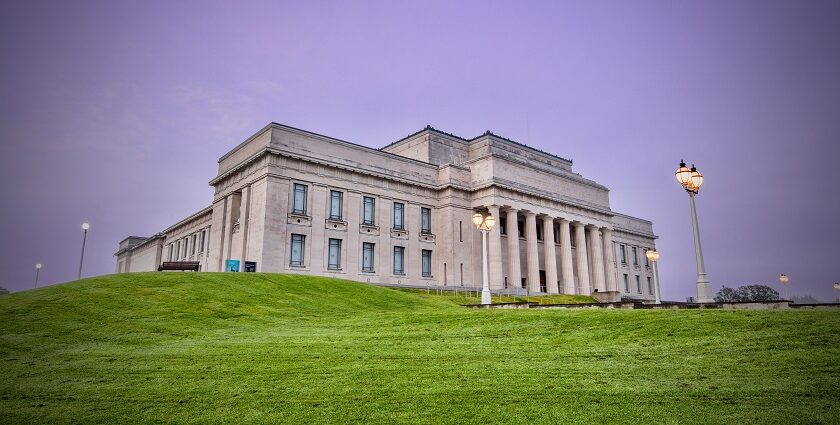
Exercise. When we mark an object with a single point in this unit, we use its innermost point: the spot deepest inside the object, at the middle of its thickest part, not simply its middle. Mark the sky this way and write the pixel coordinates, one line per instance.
(116, 113)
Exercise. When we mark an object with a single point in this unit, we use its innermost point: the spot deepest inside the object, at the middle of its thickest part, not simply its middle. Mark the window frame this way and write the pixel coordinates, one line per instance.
(334, 243)
(426, 260)
(340, 198)
(372, 221)
(372, 267)
(401, 215)
(305, 192)
(401, 251)
(425, 220)
(301, 261)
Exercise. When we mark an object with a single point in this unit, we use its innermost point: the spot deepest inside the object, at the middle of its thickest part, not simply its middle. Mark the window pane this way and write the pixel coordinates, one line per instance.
(335, 204)
(425, 220)
(368, 215)
(398, 215)
(367, 257)
(427, 263)
(296, 257)
(635, 257)
(626, 284)
(398, 260)
(335, 254)
(638, 285)
(299, 206)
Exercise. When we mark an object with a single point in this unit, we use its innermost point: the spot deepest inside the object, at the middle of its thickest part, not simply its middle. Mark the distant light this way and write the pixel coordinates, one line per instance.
(85, 226)
(784, 279)
(38, 266)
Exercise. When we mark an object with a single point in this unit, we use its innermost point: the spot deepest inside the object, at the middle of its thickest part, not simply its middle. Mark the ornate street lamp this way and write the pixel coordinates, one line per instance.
(85, 228)
(653, 256)
(37, 273)
(784, 279)
(484, 223)
(691, 180)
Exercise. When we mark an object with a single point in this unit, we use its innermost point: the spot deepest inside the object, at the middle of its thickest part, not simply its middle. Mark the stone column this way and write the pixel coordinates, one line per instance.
(514, 271)
(550, 256)
(584, 288)
(497, 280)
(533, 253)
(566, 266)
(597, 259)
(609, 259)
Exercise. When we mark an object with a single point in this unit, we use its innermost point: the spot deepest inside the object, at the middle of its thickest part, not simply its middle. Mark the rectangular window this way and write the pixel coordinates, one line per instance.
(296, 256)
(650, 286)
(635, 257)
(626, 284)
(539, 232)
(638, 285)
(623, 255)
(336, 199)
(399, 253)
(367, 257)
(177, 250)
(186, 247)
(299, 204)
(647, 262)
(502, 225)
(556, 235)
(425, 220)
(460, 231)
(427, 263)
(368, 211)
(520, 229)
(399, 215)
(334, 257)
(192, 245)
(201, 245)
(171, 250)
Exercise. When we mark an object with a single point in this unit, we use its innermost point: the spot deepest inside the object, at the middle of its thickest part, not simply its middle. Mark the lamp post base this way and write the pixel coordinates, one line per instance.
(485, 296)
(704, 291)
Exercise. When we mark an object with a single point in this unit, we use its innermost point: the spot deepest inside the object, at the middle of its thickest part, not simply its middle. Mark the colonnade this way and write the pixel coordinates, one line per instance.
(602, 276)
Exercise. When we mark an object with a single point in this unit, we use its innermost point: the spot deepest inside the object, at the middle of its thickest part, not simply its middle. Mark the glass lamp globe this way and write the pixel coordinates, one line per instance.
(696, 179)
(683, 174)
(477, 219)
(784, 279)
(85, 226)
(489, 221)
(38, 266)
(652, 255)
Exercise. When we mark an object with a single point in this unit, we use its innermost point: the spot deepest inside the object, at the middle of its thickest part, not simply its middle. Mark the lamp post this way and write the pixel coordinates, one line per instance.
(784, 279)
(837, 288)
(85, 227)
(691, 180)
(37, 273)
(484, 222)
(653, 256)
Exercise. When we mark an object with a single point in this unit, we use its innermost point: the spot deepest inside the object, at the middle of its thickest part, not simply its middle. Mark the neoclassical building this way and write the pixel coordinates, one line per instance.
(292, 201)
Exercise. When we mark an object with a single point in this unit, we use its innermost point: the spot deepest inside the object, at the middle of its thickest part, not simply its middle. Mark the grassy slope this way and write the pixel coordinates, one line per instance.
(198, 348)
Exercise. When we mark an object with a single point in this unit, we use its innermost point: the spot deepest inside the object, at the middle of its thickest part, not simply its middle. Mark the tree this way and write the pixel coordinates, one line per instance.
(757, 293)
(805, 299)
(726, 295)
(747, 293)
(3, 290)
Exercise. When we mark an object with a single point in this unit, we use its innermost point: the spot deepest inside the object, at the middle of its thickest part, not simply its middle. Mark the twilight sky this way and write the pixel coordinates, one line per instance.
(116, 113)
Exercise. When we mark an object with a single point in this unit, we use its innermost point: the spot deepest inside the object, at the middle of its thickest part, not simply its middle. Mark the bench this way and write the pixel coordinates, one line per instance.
(179, 265)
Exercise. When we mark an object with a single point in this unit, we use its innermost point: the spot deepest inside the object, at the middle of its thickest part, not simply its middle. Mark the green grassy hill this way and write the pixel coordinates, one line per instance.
(260, 348)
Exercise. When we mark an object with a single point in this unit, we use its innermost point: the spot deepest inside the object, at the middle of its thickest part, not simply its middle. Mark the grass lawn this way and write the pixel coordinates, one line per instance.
(258, 348)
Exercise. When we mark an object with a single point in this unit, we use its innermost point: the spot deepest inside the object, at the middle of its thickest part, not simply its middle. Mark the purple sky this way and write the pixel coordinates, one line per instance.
(117, 113)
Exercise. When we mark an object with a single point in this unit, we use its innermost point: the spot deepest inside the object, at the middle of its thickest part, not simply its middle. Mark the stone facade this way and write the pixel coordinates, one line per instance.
(294, 201)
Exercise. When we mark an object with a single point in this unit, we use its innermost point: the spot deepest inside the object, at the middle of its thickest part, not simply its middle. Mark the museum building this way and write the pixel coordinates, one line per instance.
(292, 201)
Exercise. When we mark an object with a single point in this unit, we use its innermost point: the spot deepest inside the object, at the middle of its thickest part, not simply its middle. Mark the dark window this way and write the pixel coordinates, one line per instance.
(368, 211)
(638, 285)
(539, 232)
(644, 254)
(635, 257)
(626, 284)
(399, 254)
(334, 257)
(336, 199)
(520, 229)
(623, 254)
(399, 215)
(556, 234)
(203, 236)
(367, 257)
(425, 220)
(650, 286)
(460, 231)
(192, 245)
(427, 263)
(503, 225)
(296, 256)
(299, 204)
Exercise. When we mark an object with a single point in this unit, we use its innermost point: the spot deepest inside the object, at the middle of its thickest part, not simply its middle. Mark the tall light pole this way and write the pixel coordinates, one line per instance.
(37, 273)
(691, 180)
(85, 227)
(784, 279)
(653, 256)
(837, 288)
(484, 222)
